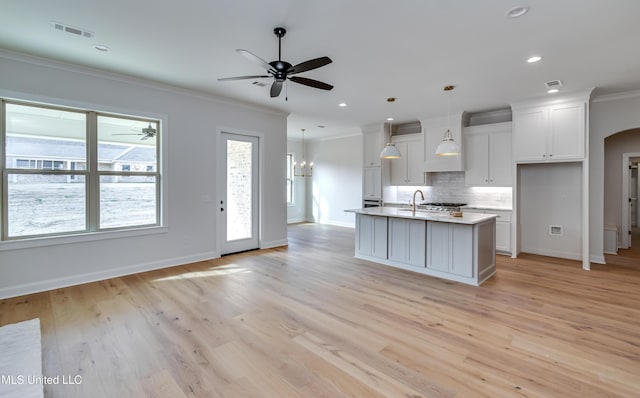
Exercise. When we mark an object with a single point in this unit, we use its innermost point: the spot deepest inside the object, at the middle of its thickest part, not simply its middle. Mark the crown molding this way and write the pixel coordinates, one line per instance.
(138, 81)
(616, 96)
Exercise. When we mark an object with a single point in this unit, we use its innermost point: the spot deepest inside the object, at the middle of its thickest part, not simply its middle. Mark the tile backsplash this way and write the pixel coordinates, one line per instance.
(449, 187)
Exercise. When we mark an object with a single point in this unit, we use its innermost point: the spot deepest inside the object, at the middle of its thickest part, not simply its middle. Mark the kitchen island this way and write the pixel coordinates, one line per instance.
(433, 243)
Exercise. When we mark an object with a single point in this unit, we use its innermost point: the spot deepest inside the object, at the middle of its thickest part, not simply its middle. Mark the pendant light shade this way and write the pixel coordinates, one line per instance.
(390, 151)
(448, 146)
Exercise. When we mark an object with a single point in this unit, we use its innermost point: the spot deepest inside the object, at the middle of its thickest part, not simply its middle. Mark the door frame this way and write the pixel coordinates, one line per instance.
(220, 168)
(625, 227)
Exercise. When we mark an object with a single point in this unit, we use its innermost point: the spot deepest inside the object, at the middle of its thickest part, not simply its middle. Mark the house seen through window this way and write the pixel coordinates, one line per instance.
(55, 182)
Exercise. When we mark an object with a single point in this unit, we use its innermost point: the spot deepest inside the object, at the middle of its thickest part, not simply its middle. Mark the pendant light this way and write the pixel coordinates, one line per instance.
(448, 146)
(390, 151)
(303, 166)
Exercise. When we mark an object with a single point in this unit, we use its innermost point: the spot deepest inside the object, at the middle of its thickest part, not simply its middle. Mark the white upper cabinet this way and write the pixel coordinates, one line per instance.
(488, 155)
(372, 144)
(549, 133)
(407, 170)
(433, 131)
(567, 131)
(372, 183)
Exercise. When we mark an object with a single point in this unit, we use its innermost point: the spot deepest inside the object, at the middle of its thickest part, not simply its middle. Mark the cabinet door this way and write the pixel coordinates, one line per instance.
(398, 239)
(461, 262)
(503, 237)
(438, 249)
(364, 237)
(379, 245)
(399, 166)
(372, 144)
(530, 131)
(415, 156)
(477, 160)
(417, 234)
(372, 183)
(567, 131)
(500, 166)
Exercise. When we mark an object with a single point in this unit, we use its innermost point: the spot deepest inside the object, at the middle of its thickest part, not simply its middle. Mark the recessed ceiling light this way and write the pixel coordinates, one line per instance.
(517, 11)
(533, 59)
(552, 90)
(342, 104)
(390, 119)
(102, 48)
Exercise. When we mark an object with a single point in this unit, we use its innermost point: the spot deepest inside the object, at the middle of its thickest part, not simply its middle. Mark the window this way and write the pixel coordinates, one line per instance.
(289, 179)
(54, 182)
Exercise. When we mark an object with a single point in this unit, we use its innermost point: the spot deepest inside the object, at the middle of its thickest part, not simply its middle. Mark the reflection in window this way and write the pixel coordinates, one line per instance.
(47, 173)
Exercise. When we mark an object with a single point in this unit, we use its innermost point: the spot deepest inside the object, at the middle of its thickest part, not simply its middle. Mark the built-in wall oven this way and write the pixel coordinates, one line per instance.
(371, 203)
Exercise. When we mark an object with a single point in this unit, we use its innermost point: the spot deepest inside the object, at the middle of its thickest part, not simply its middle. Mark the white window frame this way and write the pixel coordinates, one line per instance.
(92, 176)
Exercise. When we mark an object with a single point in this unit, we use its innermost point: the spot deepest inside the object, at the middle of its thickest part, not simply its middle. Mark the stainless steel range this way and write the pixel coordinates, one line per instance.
(442, 206)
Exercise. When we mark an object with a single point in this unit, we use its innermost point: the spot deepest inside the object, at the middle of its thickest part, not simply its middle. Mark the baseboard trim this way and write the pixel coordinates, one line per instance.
(339, 223)
(297, 220)
(57, 283)
(597, 259)
(553, 253)
(275, 243)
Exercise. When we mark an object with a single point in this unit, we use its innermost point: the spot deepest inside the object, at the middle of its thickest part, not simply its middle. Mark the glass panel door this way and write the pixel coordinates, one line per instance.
(239, 206)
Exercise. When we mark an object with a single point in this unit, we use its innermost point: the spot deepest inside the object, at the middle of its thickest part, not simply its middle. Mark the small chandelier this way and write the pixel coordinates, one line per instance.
(301, 171)
(448, 146)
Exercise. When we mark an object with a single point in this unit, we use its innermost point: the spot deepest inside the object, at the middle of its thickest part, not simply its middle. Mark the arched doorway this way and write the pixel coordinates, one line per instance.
(622, 155)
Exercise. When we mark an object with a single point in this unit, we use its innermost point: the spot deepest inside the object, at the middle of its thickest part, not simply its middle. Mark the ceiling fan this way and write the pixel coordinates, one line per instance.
(146, 133)
(281, 70)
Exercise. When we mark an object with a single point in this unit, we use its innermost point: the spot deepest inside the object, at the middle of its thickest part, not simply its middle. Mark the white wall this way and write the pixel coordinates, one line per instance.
(616, 145)
(337, 180)
(298, 211)
(609, 115)
(551, 194)
(193, 121)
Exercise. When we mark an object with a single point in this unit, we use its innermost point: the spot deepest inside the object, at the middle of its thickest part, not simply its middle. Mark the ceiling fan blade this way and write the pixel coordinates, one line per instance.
(276, 88)
(309, 65)
(311, 83)
(254, 58)
(243, 77)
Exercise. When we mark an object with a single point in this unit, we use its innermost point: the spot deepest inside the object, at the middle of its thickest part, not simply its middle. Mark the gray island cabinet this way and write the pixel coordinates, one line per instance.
(461, 249)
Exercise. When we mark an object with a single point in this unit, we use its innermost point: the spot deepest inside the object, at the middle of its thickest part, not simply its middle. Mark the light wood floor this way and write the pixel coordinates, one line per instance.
(311, 321)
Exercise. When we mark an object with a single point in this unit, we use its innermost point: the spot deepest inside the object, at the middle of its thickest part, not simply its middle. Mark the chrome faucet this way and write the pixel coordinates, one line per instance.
(413, 205)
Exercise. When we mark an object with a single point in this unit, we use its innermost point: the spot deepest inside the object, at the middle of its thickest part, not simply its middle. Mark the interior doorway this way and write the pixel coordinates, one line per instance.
(630, 190)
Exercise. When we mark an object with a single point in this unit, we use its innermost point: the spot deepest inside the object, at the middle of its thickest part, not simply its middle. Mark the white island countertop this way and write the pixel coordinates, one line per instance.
(468, 218)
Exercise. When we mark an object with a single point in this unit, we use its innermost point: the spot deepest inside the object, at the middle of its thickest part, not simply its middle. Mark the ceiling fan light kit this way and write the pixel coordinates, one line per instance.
(281, 71)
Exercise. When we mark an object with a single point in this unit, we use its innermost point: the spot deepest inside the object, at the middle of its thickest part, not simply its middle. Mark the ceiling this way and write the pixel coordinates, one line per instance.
(408, 49)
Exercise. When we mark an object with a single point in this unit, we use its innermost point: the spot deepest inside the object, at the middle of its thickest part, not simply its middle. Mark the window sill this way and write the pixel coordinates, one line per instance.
(77, 238)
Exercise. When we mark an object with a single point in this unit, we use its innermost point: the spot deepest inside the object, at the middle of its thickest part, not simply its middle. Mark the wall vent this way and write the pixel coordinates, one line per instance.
(72, 30)
(555, 230)
(553, 84)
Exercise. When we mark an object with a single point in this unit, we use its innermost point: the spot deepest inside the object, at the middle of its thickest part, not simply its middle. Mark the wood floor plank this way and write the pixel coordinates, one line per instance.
(310, 320)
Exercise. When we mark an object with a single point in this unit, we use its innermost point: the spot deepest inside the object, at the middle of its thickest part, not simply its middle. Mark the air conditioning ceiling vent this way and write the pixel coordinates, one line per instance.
(72, 30)
(553, 84)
